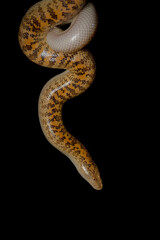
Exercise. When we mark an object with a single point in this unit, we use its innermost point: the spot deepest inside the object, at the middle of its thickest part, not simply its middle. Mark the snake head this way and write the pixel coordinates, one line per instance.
(91, 174)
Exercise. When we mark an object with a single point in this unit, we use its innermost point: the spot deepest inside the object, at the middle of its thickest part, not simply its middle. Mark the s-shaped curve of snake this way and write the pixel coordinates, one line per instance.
(43, 42)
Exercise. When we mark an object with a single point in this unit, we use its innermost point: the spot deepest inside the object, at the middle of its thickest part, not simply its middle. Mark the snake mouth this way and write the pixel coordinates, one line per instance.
(97, 183)
(98, 187)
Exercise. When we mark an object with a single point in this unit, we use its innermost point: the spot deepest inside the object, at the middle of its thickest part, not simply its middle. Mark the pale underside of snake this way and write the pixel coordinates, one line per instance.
(44, 43)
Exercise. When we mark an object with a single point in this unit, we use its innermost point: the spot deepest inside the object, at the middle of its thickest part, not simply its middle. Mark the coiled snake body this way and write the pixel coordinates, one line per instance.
(47, 45)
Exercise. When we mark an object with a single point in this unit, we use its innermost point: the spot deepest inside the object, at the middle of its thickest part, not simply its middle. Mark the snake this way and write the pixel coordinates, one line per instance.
(44, 41)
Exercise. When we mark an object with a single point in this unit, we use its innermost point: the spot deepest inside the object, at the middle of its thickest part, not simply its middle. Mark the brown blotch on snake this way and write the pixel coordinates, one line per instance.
(44, 43)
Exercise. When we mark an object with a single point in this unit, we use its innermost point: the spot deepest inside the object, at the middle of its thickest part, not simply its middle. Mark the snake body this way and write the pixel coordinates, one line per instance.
(45, 44)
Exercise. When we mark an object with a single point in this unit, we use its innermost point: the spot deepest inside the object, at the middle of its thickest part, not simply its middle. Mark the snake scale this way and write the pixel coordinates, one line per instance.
(45, 43)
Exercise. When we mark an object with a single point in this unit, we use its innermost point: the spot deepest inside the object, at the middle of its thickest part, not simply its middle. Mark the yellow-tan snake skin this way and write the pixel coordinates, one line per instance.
(44, 43)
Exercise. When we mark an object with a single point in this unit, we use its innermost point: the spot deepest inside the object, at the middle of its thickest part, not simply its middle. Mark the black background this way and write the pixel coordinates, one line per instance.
(102, 118)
